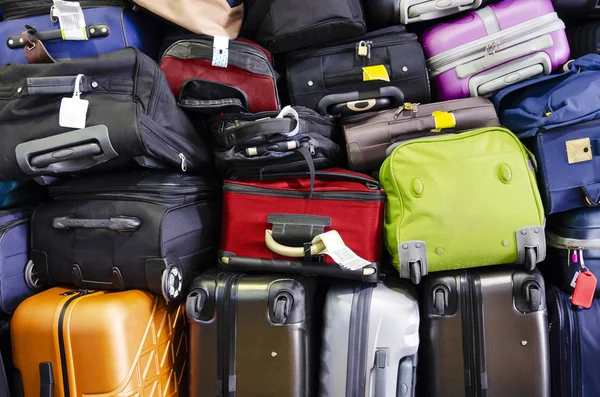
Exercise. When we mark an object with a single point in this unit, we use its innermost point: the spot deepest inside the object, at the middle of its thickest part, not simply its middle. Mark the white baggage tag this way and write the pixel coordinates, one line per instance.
(220, 51)
(339, 252)
(73, 111)
(71, 20)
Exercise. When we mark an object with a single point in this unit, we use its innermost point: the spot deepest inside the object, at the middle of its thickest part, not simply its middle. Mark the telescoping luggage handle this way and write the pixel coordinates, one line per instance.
(68, 152)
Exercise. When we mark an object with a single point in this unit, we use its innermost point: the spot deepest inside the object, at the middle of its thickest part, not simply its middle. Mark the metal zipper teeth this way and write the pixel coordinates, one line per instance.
(61, 341)
(509, 37)
(375, 195)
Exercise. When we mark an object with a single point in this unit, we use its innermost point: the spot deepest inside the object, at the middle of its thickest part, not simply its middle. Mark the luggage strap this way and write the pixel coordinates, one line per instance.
(35, 50)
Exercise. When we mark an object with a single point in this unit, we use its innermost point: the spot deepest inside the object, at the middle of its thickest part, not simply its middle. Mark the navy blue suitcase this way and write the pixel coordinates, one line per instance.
(574, 346)
(108, 28)
(14, 253)
(572, 234)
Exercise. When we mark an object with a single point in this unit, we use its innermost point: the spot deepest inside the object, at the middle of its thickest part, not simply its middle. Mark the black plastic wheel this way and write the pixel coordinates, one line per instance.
(172, 283)
(279, 312)
(530, 259)
(415, 272)
(31, 278)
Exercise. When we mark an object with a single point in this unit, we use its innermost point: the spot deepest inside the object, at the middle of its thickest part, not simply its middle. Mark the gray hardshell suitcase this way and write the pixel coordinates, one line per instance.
(485, 334)
(370, 341)
(251, 336)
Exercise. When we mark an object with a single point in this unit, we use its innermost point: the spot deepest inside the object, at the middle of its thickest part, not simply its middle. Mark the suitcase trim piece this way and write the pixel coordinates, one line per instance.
(435, 9)
(358, 340)
(488, 46)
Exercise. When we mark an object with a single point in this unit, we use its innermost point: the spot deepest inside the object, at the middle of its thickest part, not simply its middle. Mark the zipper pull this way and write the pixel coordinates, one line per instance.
(398, 112)
(369, 44)
(362, 49)
(83, 291)
(311, 148)
(183, 162)
(69, 293)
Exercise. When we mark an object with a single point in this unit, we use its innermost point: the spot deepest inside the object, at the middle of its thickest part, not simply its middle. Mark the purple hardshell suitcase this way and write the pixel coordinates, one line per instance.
(14, 253)
(494, 47)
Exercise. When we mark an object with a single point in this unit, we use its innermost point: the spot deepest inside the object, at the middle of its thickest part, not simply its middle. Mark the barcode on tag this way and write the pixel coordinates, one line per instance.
(345, 257)
(71, 19)
(220, 51)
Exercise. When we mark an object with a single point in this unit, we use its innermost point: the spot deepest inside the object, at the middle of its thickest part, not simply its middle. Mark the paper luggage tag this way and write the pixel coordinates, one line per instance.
(73, 111)
(339, 252)
(585, 288)
(377, 72)
(71, 19)
(220, 51)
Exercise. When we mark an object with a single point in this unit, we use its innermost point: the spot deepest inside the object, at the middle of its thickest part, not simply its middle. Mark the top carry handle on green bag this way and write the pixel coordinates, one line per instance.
(460, 201)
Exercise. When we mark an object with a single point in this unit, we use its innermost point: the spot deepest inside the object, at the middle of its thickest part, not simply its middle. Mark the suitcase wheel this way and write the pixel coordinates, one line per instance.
(195, 303)
(415, 272)
(172, 283)
(282, 308)
(530, 258)
(31, 278)
(440, 301)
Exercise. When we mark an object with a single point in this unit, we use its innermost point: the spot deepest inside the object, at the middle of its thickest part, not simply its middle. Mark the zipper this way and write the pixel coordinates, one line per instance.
(154, 92)
(374, 196)
(358, 340)
(176, 153)
(61, 338)
(10, 225)
(392, 35)
(571, 360)
(226, 326)
(347, 76)
(159, 190)
(556, 241)
(570, 126)
(506, 38)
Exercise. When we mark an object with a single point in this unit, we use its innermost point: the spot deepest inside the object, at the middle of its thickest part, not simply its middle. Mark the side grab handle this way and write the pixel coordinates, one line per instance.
(92, 31)
(291, 252)
(119, 223)
(68, 152)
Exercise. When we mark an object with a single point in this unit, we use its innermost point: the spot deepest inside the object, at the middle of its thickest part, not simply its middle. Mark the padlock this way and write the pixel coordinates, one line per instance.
(363, 49)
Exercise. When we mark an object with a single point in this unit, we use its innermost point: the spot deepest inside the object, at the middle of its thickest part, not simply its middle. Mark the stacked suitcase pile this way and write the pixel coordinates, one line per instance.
(278, 198)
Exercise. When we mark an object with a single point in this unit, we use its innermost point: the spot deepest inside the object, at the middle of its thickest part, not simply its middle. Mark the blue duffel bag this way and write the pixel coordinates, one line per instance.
(108, 28)
(558, 117)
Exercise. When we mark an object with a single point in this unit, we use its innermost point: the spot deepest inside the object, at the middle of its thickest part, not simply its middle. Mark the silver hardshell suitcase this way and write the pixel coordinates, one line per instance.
(370, 341)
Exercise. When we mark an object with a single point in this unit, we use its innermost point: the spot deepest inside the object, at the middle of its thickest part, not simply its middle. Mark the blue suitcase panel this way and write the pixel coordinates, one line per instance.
(127, 28)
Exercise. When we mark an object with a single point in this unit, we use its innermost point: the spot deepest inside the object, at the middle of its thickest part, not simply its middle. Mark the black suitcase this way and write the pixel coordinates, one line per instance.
(252, 335)
(577, 9)
(574, 346)
(132, 118)
(352, 74)
(584, 38)
(282, 25)
(572, 235)
(136, 230)
(485, 334)
(260, 143)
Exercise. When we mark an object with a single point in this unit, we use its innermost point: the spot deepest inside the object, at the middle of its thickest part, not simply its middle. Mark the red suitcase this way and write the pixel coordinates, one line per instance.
(248, 71)
(283, 210)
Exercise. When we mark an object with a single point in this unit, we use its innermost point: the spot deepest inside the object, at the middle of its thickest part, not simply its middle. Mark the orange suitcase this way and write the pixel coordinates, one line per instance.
(75, 343)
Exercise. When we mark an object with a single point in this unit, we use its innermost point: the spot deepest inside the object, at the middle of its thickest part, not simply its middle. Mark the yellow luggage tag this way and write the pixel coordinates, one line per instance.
(377, 72)
(443, 120)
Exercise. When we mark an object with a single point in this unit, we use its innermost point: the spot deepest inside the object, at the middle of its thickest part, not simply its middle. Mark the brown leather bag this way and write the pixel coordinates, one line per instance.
(368, 139)
(210, 17)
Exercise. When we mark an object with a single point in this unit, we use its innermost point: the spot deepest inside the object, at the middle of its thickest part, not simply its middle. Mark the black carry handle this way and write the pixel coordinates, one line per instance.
(46, 379)
(68, 152)
(116, 280)
(118, 223)
(321, 175)
(53, 85)
(335, 99)
(93, 32)
(369, 274)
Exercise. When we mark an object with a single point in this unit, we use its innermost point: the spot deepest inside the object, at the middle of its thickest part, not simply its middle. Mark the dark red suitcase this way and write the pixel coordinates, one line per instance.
(284, 209)
(188, 65)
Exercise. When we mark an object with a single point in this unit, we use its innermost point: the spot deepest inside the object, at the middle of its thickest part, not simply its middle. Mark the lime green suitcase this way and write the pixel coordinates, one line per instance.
(460, 201)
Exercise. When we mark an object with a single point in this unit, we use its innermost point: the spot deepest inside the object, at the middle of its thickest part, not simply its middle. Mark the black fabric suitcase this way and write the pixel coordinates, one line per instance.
(584, 37)
(132, 118)
(282, 25)
(572, 235)
(574, 346)
(135, 230)
(485, 334)
(351, 76)
(577, 9)
(251, 335)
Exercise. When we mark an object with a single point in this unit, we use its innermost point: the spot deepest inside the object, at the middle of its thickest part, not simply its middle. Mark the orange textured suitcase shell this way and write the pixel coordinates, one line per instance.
(115, 343)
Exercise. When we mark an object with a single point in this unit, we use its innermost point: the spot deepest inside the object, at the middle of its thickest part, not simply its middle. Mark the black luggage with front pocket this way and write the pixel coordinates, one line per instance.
(134, 230)
(382, 69)
(132, 118)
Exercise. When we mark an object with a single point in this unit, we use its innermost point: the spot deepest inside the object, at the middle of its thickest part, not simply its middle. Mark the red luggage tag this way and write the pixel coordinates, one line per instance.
(585, 284)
